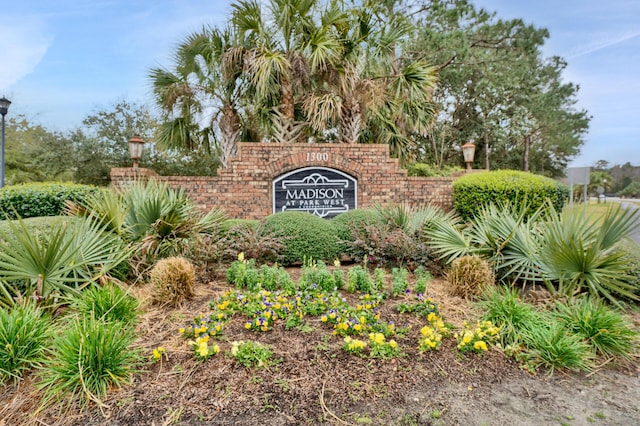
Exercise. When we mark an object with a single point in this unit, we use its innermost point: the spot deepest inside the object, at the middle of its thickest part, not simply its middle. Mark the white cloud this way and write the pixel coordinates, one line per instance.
(607, 42)
(24, 44)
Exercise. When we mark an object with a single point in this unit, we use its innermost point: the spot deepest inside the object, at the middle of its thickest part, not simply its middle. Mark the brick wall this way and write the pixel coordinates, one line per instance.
(244, 188)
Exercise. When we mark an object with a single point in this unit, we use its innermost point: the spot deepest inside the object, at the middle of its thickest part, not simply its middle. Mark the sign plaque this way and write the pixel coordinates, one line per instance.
(321, 191)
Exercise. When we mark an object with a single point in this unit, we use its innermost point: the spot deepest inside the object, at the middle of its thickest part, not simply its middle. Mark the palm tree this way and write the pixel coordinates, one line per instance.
(201, 96)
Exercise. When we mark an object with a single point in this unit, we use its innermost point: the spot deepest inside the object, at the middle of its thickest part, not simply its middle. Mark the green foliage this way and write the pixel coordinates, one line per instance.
(87, 359)
(40, 199)
(474, 191)
(470, 276)
(431, 170)
(108, 303)
(631, 191)
(581, 256)
(56, 264)
(251, 354)
(25, 331)
(359, 280)
(606, 330)
(275, 277)
(503, 307)
(173, 279)
(423, 277)
(353, 223)
(553, 347)
(317, 273)
(229, 224)
(399, 281)
(304, 236)
(238, 276)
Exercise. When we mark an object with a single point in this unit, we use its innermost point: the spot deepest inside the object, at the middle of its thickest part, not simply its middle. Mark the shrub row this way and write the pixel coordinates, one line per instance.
(475, 190)
(40, 199)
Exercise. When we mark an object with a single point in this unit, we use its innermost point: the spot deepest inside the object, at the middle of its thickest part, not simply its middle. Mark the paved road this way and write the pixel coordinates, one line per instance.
(630, 204)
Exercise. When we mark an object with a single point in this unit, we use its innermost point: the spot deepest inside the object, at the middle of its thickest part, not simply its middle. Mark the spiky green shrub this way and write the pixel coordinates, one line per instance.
(174, 280)
(40, 199)
(57, 264)
(606, 330)
(399, 281)
(469, 277)
(553, 347)
(304, 236)
(503, 307)
(317, 273)
(430, 170)
(25, 331)
(88, 358)
(473, 191)
(109, 303)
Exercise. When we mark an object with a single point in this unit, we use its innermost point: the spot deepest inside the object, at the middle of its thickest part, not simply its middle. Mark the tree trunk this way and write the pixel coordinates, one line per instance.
(486, 151)
(230, 129)
(287, 99)
(525, 157)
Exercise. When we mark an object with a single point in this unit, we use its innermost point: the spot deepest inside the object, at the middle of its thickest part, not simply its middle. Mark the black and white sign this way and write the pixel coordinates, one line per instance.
(321, 191)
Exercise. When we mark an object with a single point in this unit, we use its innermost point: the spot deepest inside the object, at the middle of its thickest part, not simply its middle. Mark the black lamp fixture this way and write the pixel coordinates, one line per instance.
(135, 149)
(468, 152)
(4, 108)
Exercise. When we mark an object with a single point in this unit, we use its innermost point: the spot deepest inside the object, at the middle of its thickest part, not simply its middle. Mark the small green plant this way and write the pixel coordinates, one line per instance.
(87, 359)
(379, 279)
(422, 307)
(477, 338)
(251, 354)
(400, 284)
(469, 277)
(553, 347)
(173, 279)
(109, 303)
(602, 327)
(423, 277)
(432, 334)
(354, 346)
(382, 348)
(202, 349)
(25, 331)
(359, 280)
(338, 275)
(504, 308)
(316, 272)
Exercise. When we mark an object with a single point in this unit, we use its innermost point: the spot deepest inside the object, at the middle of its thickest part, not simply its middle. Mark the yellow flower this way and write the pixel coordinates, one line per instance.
(241, 257)
(181, 330)
(357, 327)
(480, 345)
(393, 344)
(203, 349)
(323, 318)
(468, 336)
(158, 352)
(247, 325)
(336, 263)
(377, 338)
(432, 317)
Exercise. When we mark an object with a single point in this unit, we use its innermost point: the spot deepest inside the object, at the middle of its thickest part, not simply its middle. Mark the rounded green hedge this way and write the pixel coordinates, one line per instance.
(40, 199)
(304, 236)
(474, 190)
(353, 222)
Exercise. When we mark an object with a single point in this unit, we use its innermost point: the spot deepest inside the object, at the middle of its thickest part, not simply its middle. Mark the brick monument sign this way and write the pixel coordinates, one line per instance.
(323, 179)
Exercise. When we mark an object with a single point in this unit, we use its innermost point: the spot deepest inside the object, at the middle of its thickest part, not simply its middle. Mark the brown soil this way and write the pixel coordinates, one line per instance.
(316, 382)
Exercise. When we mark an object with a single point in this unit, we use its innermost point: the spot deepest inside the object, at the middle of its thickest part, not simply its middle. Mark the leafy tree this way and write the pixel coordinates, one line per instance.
(102, 144)
(35, 154)
(496, 88)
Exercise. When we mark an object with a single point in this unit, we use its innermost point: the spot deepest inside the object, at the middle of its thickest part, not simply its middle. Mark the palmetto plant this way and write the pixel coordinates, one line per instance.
(51, 265)
(566, 252)
(160, 219)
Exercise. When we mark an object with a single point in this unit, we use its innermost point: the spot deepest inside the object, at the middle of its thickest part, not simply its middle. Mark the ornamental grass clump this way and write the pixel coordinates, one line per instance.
(25, 331)
(174, 280)
(604, 329)
(89, 358)
(469, 277)
(553, 347)
(109, 303)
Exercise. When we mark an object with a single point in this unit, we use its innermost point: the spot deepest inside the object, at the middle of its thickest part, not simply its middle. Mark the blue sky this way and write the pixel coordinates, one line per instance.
(62, 60)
